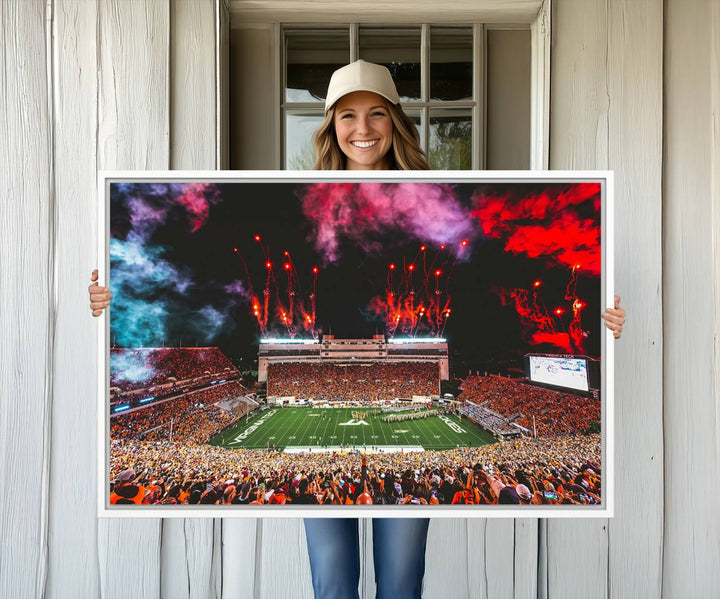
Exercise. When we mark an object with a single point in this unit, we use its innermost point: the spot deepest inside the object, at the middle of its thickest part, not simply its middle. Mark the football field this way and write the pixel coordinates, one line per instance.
(299, 428)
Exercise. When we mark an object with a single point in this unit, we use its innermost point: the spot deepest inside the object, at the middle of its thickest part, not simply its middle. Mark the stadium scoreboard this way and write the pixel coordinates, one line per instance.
(578, 373)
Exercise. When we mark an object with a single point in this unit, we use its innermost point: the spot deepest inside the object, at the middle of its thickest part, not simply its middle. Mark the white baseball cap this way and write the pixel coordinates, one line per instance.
(361, 76)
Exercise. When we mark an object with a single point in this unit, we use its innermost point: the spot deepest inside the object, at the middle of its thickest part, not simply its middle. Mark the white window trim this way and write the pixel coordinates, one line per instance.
(540, 89)
(383, 11)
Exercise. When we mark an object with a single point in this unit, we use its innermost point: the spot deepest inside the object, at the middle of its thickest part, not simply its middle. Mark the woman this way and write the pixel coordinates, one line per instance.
(365, 129)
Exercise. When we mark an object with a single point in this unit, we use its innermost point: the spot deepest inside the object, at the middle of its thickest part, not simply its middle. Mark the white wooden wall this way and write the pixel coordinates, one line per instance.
(117, 84)
(606, 113)
(691, 296)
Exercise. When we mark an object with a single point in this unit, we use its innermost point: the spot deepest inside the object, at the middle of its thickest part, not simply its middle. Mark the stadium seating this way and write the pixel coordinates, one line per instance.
(555, 412)
(132, 369)
(363, 382)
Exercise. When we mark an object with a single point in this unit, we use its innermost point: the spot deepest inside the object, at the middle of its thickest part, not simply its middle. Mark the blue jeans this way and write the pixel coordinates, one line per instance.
(398, 553)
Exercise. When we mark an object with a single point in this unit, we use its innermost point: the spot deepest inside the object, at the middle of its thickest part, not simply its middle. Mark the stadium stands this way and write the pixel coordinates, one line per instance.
(203, 398)
(134, 369)
(555, 412)
(363, 382)
(500, 426)
(154, 420)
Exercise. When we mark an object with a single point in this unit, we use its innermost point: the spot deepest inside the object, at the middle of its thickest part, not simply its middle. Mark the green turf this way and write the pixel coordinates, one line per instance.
(315, 427)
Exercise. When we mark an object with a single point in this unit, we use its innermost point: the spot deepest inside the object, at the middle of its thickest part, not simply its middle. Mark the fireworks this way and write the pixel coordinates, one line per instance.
(283, 302)
(542, 327)
(417, 300)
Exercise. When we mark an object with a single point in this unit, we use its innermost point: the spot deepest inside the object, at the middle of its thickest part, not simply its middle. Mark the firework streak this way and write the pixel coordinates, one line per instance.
(282, 298)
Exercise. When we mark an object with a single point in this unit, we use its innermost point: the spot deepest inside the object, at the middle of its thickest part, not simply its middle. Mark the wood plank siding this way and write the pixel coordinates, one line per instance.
(142, 84)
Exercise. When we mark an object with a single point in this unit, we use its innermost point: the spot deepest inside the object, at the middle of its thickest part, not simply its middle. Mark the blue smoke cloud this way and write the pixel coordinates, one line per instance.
(211, 321)
(148, 288)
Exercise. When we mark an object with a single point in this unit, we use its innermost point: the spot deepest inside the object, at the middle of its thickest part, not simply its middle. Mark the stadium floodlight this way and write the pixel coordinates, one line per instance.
(290, 341)
(418, 340)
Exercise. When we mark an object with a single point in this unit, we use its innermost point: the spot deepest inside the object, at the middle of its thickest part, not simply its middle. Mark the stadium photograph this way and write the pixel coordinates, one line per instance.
(333, 343)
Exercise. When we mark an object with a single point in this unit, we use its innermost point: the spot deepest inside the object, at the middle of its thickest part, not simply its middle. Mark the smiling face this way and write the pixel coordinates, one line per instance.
(364, 130)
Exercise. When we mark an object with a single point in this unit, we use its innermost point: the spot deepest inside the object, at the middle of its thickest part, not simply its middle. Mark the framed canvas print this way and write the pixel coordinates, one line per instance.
(369, 344)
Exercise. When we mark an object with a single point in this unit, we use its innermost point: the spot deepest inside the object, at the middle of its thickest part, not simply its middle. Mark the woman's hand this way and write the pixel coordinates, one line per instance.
(615, 318)
(99, 296)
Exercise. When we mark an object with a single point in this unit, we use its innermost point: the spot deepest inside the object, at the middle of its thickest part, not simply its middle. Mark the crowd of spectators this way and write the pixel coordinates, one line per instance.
(559, 470)
(197, 407)
(377, 381)
(202, 424)
(554, 412)
(132, 369)
(497, 424)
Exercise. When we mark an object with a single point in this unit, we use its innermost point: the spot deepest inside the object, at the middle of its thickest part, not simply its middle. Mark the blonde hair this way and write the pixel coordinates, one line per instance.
(404, 155)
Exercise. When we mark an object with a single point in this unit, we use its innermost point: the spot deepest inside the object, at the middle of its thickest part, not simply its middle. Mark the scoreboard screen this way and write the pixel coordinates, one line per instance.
(559, 371)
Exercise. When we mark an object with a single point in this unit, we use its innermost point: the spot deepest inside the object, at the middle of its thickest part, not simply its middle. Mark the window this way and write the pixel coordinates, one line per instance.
(467, 87)
(435, 68)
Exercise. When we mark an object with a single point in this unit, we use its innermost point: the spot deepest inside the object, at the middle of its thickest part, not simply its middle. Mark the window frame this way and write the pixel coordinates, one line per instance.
(476, 106)
(538, 21)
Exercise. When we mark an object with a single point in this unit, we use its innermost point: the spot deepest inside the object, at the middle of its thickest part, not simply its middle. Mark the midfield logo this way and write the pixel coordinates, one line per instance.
(354, 422)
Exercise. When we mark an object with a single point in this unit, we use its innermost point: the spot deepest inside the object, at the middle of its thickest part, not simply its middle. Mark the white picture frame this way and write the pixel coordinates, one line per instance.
(604, 509)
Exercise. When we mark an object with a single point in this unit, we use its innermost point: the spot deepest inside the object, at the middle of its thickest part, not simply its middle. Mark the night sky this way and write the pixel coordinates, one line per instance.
(179, 281)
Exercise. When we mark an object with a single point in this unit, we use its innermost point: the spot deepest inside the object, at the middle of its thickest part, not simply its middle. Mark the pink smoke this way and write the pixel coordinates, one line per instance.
(197, 198)
(359, 212)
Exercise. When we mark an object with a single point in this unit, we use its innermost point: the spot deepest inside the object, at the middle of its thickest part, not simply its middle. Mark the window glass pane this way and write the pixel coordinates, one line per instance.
(451, 56)
(299, 150)
(415, 117)
(311, 58)
(508, 100)
(399, 50)
(450, 139)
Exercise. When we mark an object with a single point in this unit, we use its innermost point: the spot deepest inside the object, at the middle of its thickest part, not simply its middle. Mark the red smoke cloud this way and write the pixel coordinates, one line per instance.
(549, 224)
(561, 340)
